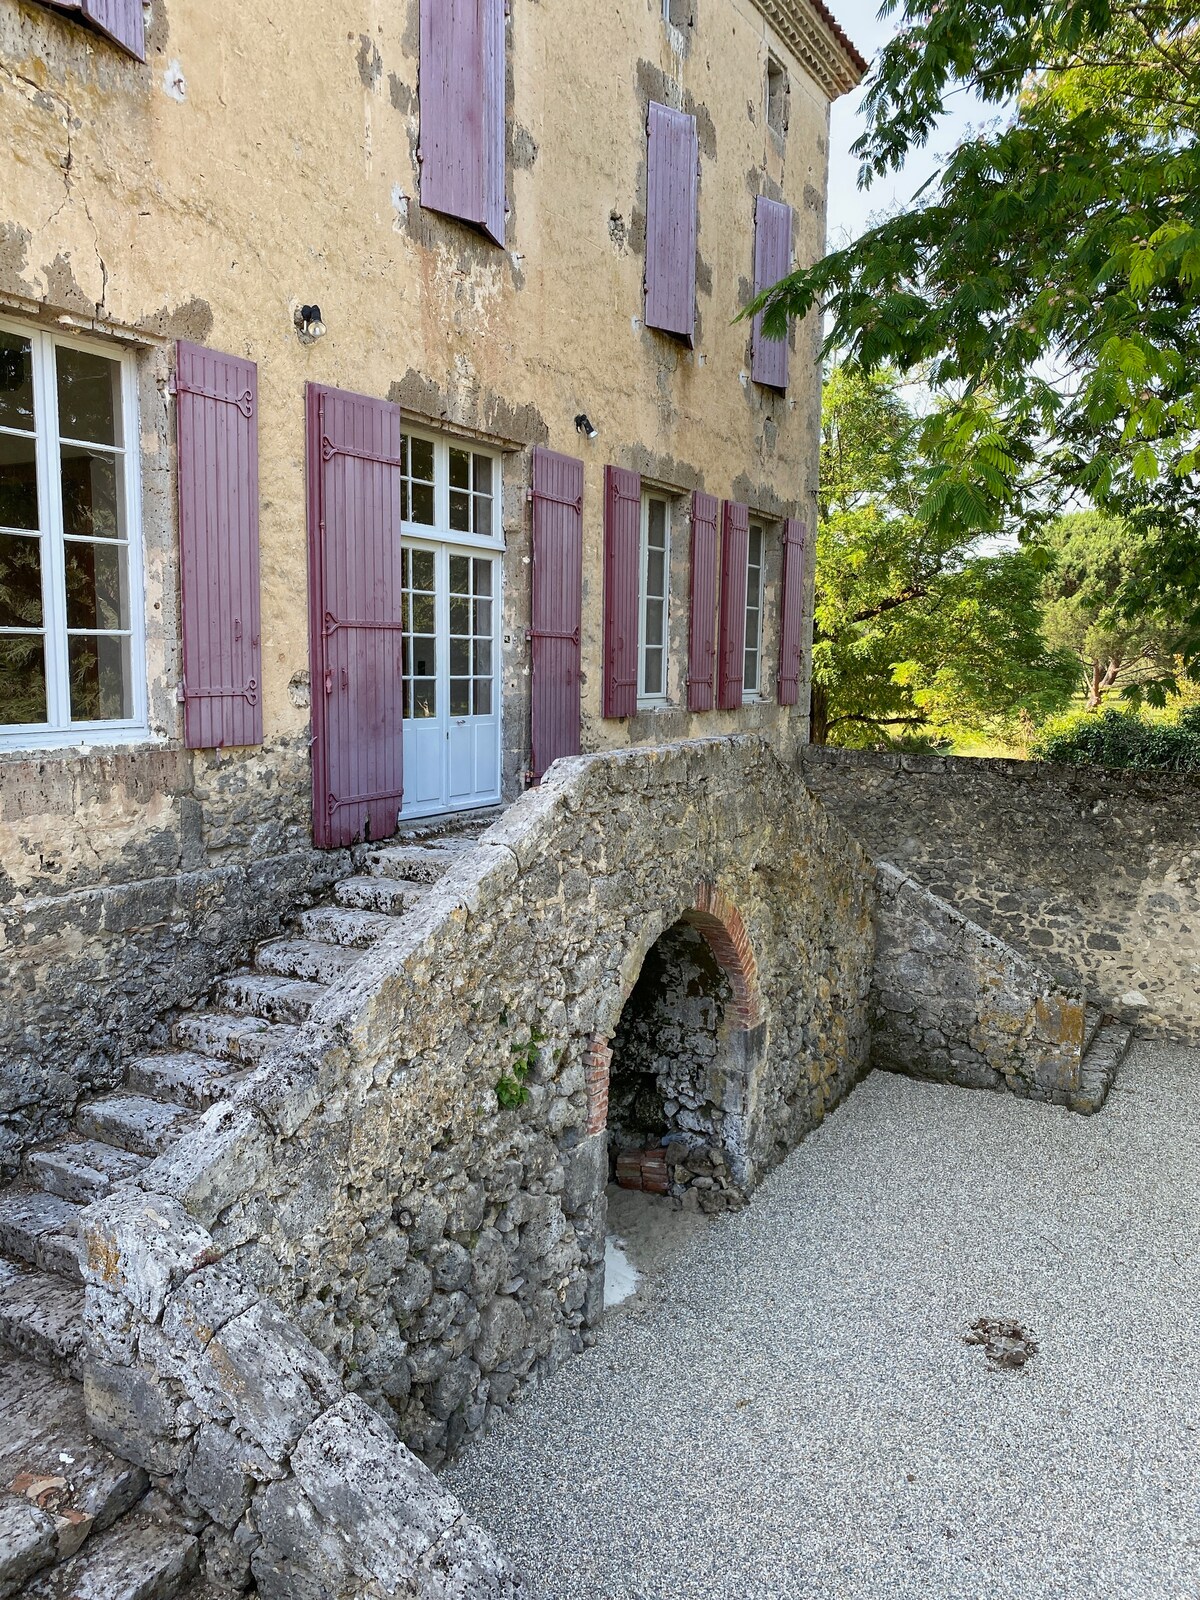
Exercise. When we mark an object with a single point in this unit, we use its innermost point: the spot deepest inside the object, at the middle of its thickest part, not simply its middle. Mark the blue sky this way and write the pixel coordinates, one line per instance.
(850, 209)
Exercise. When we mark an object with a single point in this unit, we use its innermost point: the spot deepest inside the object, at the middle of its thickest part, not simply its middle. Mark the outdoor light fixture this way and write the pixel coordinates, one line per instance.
(308, 322)
(583, 425)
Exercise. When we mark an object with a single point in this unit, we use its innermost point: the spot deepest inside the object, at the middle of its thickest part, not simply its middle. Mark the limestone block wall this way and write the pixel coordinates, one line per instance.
(1095, 874)
(440, 1238)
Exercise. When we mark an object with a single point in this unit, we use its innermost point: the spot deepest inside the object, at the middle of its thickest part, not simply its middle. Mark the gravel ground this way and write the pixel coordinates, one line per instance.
(787, 1407)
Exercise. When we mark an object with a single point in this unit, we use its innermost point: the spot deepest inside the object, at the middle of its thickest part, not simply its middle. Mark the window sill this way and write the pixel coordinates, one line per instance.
(63, 741)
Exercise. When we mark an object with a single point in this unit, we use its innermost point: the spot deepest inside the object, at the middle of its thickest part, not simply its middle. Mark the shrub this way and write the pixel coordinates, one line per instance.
(1121, 739)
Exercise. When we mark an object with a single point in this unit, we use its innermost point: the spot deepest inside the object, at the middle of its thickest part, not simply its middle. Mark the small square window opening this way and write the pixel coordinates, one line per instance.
(777, 96)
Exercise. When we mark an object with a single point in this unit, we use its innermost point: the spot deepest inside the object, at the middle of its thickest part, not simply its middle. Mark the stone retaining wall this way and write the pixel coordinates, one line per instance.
(441, 1248)
(1093, 874)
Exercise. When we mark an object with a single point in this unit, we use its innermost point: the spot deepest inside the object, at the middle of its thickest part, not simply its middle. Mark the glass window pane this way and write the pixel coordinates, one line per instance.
(406, 707)
(756, 535)
(89, 396)
(483, 697)
(460, 575)
(460, 656)
(483, 656)
(657, 523)
(483, 474)
(655, 572)
(654, 665)
(405, 568)
(654, 624)
(405, 504)
(16, 383)
(100, 679)
(483, 516)
(460, 469)
(421, 458)
(20, 582)
(422, 570)
(91, 492)
(460, 697)
(750, 672)
(96, 589)
(18, 482)
(424, 691)
(423, 614)
(460, 511)
(483, 618)
(422, 504)
(424, 655)
(483, 577)
(460, 615)
(22, 680)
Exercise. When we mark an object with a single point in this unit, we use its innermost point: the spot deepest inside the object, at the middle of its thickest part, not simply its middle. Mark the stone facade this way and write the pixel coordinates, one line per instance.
(1092, 874)
(270, 161)
(420, 1185)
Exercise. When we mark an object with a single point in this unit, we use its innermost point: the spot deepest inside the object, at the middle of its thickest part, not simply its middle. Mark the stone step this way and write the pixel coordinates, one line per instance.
(42, 1317)
(241, 1040)
(132, 1122)
(305, 959)
(42, 1229)
(1093, 1017)
(387, 895)
(57, 1485)
(82, 1170)
(138, 1558)
(417, 863)
(1101, 1063)
(262, 994)
(187, 1078)
(342, 925)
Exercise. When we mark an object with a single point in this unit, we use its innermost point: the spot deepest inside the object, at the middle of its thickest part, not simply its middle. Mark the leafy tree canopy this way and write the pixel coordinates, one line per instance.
(1091, 553)
(1046, 285)
(915, 629)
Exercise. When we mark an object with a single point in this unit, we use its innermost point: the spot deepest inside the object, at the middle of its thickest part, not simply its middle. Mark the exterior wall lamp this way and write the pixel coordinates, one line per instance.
(583, 425)
(308, 322)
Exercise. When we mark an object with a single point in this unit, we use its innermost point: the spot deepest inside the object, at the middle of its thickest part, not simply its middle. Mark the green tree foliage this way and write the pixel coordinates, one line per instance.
(1091, 554)
(1047, 282)
(914, 628)
(1121, 739)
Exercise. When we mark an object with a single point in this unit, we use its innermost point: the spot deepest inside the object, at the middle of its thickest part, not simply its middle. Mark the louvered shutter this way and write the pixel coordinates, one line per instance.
(702, 640)
(461, 93)
(672, 164)
(557, 606)
(356, 602)
(121, 21)
(217, 416)
(731, 654)
(622, 559)
(791, 608)
(772, 261)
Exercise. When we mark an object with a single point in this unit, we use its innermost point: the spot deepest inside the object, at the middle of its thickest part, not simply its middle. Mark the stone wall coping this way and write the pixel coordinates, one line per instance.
(1165, 783)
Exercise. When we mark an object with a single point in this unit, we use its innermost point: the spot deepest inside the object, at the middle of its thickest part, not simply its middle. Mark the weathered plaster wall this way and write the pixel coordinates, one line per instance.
(1094, 874)
(441, 1249)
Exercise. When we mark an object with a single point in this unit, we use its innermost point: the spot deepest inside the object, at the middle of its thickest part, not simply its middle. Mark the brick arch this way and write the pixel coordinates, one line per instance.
(719, 922)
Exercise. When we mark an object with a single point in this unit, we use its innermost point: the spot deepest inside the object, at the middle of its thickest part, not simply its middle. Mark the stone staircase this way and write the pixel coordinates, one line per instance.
(1106, 1043)
(76, 1523)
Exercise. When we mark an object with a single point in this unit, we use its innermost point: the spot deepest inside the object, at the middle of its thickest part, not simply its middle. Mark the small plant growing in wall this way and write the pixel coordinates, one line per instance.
(512, 1088)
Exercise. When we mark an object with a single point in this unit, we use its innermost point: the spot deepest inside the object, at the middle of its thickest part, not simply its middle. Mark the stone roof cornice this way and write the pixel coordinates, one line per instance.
(814, 36)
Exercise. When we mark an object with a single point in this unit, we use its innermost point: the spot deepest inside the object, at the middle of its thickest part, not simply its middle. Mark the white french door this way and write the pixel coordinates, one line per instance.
(451, 677)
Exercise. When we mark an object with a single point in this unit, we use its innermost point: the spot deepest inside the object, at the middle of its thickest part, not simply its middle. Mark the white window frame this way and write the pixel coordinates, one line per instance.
(755, 646)
(439, 530)
(64, 734)
(644, 599)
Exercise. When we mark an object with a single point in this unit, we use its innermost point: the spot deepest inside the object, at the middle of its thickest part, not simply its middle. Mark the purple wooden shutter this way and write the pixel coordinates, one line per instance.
(702, 643)
(772, 261)
(217, 415)
(731, 655)
(121, 20)
(672, 162)
(355, 615)
(461, 89)
(791, 608)
(622, 560)
(557, 606)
